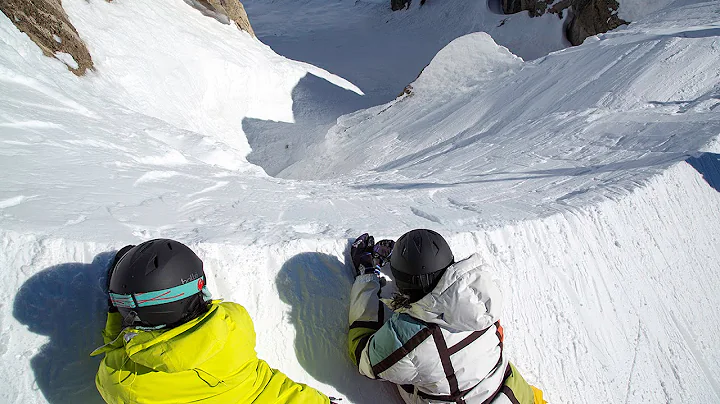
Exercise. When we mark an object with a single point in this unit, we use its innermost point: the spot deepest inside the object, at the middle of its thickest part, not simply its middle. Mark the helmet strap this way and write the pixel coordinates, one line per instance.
(130, 319)
(207, 296)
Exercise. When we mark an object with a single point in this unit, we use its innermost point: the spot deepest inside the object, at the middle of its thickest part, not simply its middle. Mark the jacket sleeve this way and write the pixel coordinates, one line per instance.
(366, 316)
(272, 386)
(113, 326)
(389, 354)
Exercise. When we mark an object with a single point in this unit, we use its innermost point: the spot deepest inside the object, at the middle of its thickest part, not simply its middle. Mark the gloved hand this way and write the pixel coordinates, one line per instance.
(111, 269)
(382, 251)
(361, 253)
(367, 256)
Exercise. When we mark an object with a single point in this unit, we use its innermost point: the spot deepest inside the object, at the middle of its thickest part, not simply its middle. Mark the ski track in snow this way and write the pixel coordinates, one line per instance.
(588, 180)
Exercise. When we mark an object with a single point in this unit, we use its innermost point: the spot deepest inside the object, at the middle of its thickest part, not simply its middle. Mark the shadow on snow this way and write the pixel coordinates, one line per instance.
(68, 304)
(708, 165)
(501, 176)
(317, 287)
(317, 104)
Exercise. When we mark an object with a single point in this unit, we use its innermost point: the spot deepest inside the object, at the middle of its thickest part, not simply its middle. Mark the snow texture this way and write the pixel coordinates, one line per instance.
(587, 178)
(67, 59)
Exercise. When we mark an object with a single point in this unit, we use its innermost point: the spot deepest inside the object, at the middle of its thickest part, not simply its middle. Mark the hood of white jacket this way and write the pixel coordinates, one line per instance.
(465, 299)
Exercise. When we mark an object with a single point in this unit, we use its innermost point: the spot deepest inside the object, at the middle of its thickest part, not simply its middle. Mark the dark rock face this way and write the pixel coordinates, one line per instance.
(592, 17)
(399, 4)
(47, 24)
(513, 6)
(586, 17)
(535, 8)
(233, 9)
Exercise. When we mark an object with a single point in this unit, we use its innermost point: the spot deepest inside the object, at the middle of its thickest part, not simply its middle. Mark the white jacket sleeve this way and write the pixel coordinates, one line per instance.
(366, 317)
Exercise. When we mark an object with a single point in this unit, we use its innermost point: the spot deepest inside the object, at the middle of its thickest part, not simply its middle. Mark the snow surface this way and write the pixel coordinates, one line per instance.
(588, 179)
(634, 10)
(378, 50)
(67, 59)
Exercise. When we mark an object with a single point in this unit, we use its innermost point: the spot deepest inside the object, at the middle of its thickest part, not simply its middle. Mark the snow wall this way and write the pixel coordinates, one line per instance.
(616, 301)
(613, 301)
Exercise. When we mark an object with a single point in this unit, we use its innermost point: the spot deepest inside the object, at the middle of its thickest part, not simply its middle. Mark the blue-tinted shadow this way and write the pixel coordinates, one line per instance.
(708, 165)
(68, 304)
(317, 104)
(317, 288)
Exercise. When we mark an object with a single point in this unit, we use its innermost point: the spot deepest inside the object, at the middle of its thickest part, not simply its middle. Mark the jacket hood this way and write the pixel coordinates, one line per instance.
(465, 298)
(181, 348)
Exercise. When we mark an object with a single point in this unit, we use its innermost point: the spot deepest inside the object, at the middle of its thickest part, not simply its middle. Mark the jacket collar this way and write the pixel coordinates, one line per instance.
(465, 299)
(183, 347)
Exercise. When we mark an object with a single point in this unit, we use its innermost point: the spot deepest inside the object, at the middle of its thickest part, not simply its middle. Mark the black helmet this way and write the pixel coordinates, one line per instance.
(158, 283)
(418, 260)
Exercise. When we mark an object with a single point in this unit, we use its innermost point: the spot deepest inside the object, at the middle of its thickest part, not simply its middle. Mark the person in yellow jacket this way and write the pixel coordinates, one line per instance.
(166, 342)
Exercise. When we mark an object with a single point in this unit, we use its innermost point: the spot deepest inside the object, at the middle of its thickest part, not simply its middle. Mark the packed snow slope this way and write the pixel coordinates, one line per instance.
(588, 180)
(376, 49)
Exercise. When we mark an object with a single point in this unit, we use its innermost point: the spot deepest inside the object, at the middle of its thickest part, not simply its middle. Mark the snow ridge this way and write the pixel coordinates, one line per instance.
(588, 180)
(591, 294)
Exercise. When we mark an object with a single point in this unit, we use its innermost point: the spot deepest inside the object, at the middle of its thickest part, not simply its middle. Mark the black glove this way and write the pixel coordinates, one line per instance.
(368, 256)
(382, 251)
(361, 253)
(111, 269)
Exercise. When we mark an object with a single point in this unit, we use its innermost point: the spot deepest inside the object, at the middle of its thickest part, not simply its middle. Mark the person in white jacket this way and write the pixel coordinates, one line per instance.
(444, 342)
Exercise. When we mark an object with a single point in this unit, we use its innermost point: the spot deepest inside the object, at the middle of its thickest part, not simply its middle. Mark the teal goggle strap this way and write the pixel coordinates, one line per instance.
(145, 299)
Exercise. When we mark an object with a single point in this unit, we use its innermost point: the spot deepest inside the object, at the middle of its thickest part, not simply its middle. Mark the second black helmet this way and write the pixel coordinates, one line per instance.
(418, 260)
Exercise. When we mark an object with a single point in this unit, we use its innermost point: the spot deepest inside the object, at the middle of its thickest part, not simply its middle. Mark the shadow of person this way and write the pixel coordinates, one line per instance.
(67, 303)
(317, 287)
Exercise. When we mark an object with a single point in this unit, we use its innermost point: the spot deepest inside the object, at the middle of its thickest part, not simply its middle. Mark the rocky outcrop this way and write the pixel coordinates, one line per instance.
(586, 17)
(535, 8)
(46, 23)
(592, 17)
(399, 4)
(233, 9)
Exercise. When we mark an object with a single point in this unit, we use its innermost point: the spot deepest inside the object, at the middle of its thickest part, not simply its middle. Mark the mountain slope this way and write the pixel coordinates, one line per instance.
(588, 180)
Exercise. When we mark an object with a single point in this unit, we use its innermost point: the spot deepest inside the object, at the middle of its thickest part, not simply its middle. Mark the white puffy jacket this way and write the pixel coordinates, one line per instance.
(447, 347)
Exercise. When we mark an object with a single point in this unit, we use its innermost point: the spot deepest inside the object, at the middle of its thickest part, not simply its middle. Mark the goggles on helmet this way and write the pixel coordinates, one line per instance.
(170, 295)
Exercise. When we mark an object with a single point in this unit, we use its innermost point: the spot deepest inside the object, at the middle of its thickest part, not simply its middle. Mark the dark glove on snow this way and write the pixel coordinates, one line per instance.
(367, 256)
(111, 269)
(382, 251)
(361, 253)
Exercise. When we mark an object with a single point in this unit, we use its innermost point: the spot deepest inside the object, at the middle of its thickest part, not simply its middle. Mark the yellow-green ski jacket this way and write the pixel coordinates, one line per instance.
(211, 359)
